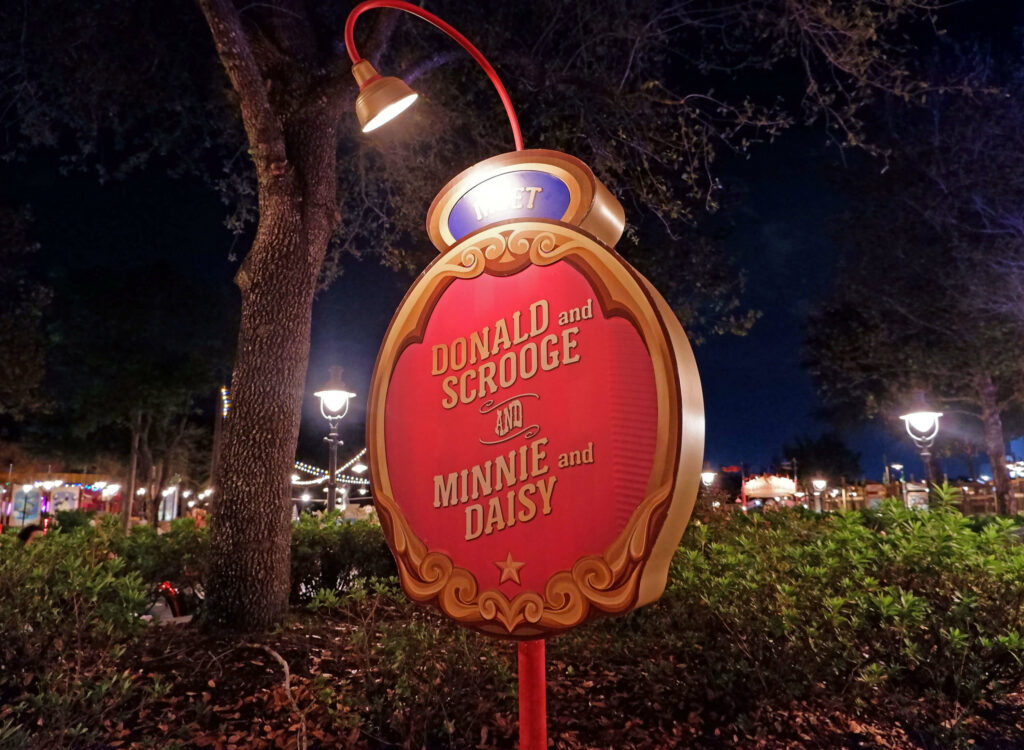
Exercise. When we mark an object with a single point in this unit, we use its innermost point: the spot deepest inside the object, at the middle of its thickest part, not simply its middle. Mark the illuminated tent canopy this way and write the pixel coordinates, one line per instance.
(769, 486)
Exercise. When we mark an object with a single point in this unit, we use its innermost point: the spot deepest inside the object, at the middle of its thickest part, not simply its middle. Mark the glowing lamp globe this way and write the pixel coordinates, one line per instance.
(819, 484)
(707, 477)
(922, 423)
(381, 98)
(334, 396)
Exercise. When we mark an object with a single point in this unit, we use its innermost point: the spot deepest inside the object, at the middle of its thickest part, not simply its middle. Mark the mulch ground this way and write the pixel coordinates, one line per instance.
(232, 695)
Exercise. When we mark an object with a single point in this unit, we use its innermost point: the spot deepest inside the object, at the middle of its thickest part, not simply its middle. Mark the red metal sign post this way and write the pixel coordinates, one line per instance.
(533, 708)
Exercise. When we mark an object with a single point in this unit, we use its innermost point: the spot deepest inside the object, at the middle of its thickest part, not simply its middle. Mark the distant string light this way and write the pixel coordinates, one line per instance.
(1016, 469)
(320, 480)
(319, 476)
(352, 461)
(310, 469)
(225, 401)
(306, 483)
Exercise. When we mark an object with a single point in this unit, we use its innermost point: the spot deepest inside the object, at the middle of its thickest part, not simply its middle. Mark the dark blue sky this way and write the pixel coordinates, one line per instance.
(757, 394)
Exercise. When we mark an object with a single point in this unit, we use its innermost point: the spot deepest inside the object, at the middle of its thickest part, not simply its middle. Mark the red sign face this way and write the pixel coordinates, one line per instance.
(535, 424)
(528, 432)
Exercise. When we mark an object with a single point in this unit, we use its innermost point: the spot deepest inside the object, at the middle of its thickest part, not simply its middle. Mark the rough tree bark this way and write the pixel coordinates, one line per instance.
(161, 466)
(289, 109)
(146, 470)
(970, 451)
(995, 443)
(128, 488)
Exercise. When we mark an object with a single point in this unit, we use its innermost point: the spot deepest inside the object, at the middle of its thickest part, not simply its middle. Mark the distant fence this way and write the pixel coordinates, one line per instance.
(975, 498)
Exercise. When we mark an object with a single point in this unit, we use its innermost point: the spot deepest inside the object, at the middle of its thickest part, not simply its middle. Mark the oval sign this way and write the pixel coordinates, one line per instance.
(536, 432)
(525, 193)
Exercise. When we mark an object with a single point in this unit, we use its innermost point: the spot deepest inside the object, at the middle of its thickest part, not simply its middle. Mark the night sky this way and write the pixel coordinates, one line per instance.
(757, 394)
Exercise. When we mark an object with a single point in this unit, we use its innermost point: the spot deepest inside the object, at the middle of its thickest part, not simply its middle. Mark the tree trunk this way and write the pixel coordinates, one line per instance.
(127, 498)
(250, 546)
(146, 468)
(153, 496)
(970, 451)
(995, 444)
(159, 480)
(218, 437)
(293, 144)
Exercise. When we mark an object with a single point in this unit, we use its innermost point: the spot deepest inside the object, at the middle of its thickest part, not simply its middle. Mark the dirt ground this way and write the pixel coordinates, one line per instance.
(233, 695)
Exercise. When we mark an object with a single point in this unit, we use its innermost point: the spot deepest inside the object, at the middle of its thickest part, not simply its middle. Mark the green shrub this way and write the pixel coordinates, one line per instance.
(897, 600)
(69, 520)
(420, 679)
(177, 555)
(68, 607)
(329, 553)
(905, 607)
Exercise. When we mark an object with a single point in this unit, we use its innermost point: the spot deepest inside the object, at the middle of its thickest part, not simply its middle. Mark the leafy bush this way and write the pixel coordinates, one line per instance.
(421, 680)
(329, 553)
(67, 609)
(69, 520)
(178, 555)
(909, 610)
(859, 604)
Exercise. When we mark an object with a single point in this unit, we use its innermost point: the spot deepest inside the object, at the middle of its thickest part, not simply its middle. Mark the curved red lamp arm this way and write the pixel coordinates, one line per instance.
(350, 45)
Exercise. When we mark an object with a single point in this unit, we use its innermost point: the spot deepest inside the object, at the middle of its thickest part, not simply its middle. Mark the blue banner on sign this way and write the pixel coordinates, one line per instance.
(525, 194)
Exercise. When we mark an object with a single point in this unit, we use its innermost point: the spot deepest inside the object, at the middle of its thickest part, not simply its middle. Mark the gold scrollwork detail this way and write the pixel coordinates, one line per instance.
(527, 607)
(532, 242)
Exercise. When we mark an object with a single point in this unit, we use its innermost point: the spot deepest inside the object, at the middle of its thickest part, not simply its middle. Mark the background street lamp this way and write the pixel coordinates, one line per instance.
(819, 486)
(334, 400)
(902, 482)
(707, 478)
(923, 427)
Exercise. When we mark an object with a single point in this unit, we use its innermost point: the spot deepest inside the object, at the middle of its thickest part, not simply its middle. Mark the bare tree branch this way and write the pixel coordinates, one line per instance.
(261, 125)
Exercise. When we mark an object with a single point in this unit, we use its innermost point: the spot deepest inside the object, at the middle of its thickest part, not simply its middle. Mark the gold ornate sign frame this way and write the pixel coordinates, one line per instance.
(632, 571)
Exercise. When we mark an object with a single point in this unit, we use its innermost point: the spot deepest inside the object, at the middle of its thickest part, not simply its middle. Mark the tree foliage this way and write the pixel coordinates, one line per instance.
(825, 456)
(650, 94)
(134, 349)
(22, 303)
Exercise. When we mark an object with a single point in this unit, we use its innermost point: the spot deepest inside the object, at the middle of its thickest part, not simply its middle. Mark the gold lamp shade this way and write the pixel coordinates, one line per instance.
(381, 98)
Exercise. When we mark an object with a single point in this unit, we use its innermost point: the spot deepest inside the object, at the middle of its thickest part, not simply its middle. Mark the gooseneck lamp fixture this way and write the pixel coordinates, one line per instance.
(382, 98)
(334, 400)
